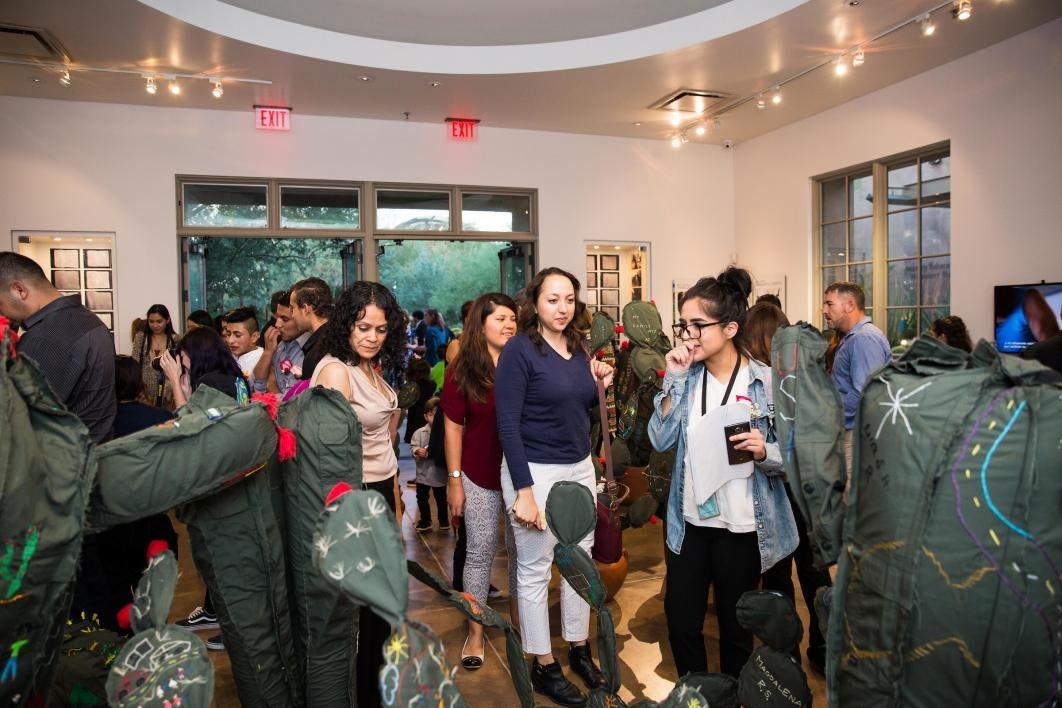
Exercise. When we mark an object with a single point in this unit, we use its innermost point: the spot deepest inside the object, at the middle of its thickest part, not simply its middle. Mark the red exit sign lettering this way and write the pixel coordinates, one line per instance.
(461, 129)
(272, 118)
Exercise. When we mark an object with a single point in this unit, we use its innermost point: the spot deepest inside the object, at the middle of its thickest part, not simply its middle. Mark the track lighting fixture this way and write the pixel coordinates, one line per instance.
(676, 141)
(928, 28)
(151, 88)
(175, 88)
(218, 91)
(963, 10)
(840, 66)
(701, 128)
(776, 95)
(64, 78)
(858, 58)
(760, 103)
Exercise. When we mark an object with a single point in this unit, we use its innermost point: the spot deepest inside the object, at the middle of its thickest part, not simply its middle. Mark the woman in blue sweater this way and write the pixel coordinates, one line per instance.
(544, 387)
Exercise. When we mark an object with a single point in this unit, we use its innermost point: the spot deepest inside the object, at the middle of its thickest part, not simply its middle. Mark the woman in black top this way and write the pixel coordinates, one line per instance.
(206, 361)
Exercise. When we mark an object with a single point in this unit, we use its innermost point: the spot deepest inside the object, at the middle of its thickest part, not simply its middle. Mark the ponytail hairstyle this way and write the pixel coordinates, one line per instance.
(473, 368)
(725, 298)
(527, 317)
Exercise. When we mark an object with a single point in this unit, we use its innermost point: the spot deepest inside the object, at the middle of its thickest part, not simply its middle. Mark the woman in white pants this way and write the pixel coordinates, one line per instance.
(544, 387)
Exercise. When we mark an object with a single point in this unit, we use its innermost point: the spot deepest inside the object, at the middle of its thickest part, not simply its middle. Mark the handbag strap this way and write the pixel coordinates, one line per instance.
(602, 409)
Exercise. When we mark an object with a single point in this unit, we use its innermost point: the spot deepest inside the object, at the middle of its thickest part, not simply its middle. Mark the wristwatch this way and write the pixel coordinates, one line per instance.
(455, 473)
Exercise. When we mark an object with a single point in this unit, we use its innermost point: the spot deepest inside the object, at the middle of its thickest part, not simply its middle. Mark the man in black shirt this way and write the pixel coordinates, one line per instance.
(311, 306)
(71, 345)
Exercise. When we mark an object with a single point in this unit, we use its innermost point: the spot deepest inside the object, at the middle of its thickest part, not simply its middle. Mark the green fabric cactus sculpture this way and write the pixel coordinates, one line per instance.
(162, 666)
(357, 547)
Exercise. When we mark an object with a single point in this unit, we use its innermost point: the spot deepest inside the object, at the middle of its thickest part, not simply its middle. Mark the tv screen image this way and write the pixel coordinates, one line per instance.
(1026, 314)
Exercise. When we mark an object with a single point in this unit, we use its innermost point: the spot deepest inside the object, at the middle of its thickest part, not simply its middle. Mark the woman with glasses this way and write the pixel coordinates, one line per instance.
(745, 525)
(544, 387)
(366, 335)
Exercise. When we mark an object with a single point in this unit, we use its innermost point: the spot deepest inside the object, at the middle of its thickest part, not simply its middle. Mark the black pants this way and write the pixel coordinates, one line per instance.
(423, 492)
(373, 630)
(780, 578)
(730, 562)
(460, 552)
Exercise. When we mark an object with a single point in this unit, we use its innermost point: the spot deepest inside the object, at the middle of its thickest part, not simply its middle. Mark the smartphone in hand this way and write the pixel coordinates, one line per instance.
(735, 456)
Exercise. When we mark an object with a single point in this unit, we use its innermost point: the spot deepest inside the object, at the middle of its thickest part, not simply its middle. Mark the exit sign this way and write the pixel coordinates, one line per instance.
(462, 129)
(272, 118)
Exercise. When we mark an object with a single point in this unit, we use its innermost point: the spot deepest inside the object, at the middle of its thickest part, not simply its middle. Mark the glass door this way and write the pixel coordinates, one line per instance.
(517, 266)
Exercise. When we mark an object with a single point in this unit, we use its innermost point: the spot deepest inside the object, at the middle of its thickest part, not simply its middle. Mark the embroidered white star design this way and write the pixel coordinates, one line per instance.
(896, 404)
(358, 530)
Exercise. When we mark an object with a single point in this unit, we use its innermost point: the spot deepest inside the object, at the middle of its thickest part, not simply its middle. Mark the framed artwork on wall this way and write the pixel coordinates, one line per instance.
(610, 262)
(66, 279)
(66, 258)
(610, 297)
(99, 299)
(97, 258)
(610, 280)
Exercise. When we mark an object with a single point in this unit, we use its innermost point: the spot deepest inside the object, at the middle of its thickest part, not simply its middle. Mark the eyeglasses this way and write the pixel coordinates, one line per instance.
(693, 329)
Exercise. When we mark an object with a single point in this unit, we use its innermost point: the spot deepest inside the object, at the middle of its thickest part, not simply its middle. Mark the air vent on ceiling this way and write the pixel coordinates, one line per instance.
(31, 44)
(690, 100)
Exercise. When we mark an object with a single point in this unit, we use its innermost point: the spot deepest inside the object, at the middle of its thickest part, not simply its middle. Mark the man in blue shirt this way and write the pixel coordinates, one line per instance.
(863, 348)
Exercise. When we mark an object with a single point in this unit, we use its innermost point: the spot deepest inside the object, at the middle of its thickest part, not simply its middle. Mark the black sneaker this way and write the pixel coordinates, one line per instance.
(582, 663)
(216, 643)
(422, 528)
(199, 620)
(444, 527)
(550, 681)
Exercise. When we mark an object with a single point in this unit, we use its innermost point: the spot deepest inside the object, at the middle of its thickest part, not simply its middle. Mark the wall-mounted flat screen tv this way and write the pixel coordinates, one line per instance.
(1026, 314)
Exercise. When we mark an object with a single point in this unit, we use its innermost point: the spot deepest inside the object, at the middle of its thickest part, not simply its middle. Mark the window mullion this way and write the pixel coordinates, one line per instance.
(881, 246)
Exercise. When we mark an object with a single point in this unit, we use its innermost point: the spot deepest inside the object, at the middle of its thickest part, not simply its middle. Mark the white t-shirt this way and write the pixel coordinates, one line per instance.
(247, 361)
(736, 510)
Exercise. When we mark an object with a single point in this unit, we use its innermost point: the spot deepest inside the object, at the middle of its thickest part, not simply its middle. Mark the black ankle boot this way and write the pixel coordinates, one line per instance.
(551, 683)
(580, 661)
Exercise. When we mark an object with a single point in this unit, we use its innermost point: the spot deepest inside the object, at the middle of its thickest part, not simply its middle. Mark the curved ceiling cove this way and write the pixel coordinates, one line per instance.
(479, 37)
(476, 22)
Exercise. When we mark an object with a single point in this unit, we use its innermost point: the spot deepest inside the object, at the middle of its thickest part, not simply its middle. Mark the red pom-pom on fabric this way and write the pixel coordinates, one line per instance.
(619, 328)
(625, 344)
(600, 354)
(338, 491)
(601, 460)
(659, 373)
(124, 616)
(5, 325)
(285, 444)
(156, 547)
(654, 519)
(270, 401)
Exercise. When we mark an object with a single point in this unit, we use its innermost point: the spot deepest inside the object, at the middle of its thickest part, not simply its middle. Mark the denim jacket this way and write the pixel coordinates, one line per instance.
(776, 529)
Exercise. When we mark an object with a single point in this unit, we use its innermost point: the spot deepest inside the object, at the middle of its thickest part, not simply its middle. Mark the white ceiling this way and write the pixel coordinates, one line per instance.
(601, 99)
(476, 22)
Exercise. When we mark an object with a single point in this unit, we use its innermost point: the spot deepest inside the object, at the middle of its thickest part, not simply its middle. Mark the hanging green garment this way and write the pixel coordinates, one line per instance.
(809, 418)
(324, 621)
(45, 479)
(947, 591)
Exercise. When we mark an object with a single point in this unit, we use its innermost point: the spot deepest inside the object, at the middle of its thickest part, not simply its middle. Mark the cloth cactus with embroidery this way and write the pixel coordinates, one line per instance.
(162, 666)
(357, 546)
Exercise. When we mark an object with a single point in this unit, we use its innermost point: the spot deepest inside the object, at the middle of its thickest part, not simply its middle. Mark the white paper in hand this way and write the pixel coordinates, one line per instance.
(710, 467)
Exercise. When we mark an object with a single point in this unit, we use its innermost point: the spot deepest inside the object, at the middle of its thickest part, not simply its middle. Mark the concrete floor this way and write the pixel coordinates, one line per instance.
(638, 608)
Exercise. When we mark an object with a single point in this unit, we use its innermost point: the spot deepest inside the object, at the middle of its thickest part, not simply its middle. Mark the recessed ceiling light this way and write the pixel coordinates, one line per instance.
(365, 78)
(57, 238)
(435, 84)
(855, 3)
(35, 80)
(636, 124)
(675, 119)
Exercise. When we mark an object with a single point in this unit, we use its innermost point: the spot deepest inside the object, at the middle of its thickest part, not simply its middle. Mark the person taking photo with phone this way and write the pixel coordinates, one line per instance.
(746, 525)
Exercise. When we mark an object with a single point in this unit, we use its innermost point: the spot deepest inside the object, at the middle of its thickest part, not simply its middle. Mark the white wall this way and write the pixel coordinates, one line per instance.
(102, 167)
(1002, 110)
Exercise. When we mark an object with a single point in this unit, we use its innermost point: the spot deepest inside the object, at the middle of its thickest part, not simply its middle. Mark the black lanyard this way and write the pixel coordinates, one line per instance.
(729, 386)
